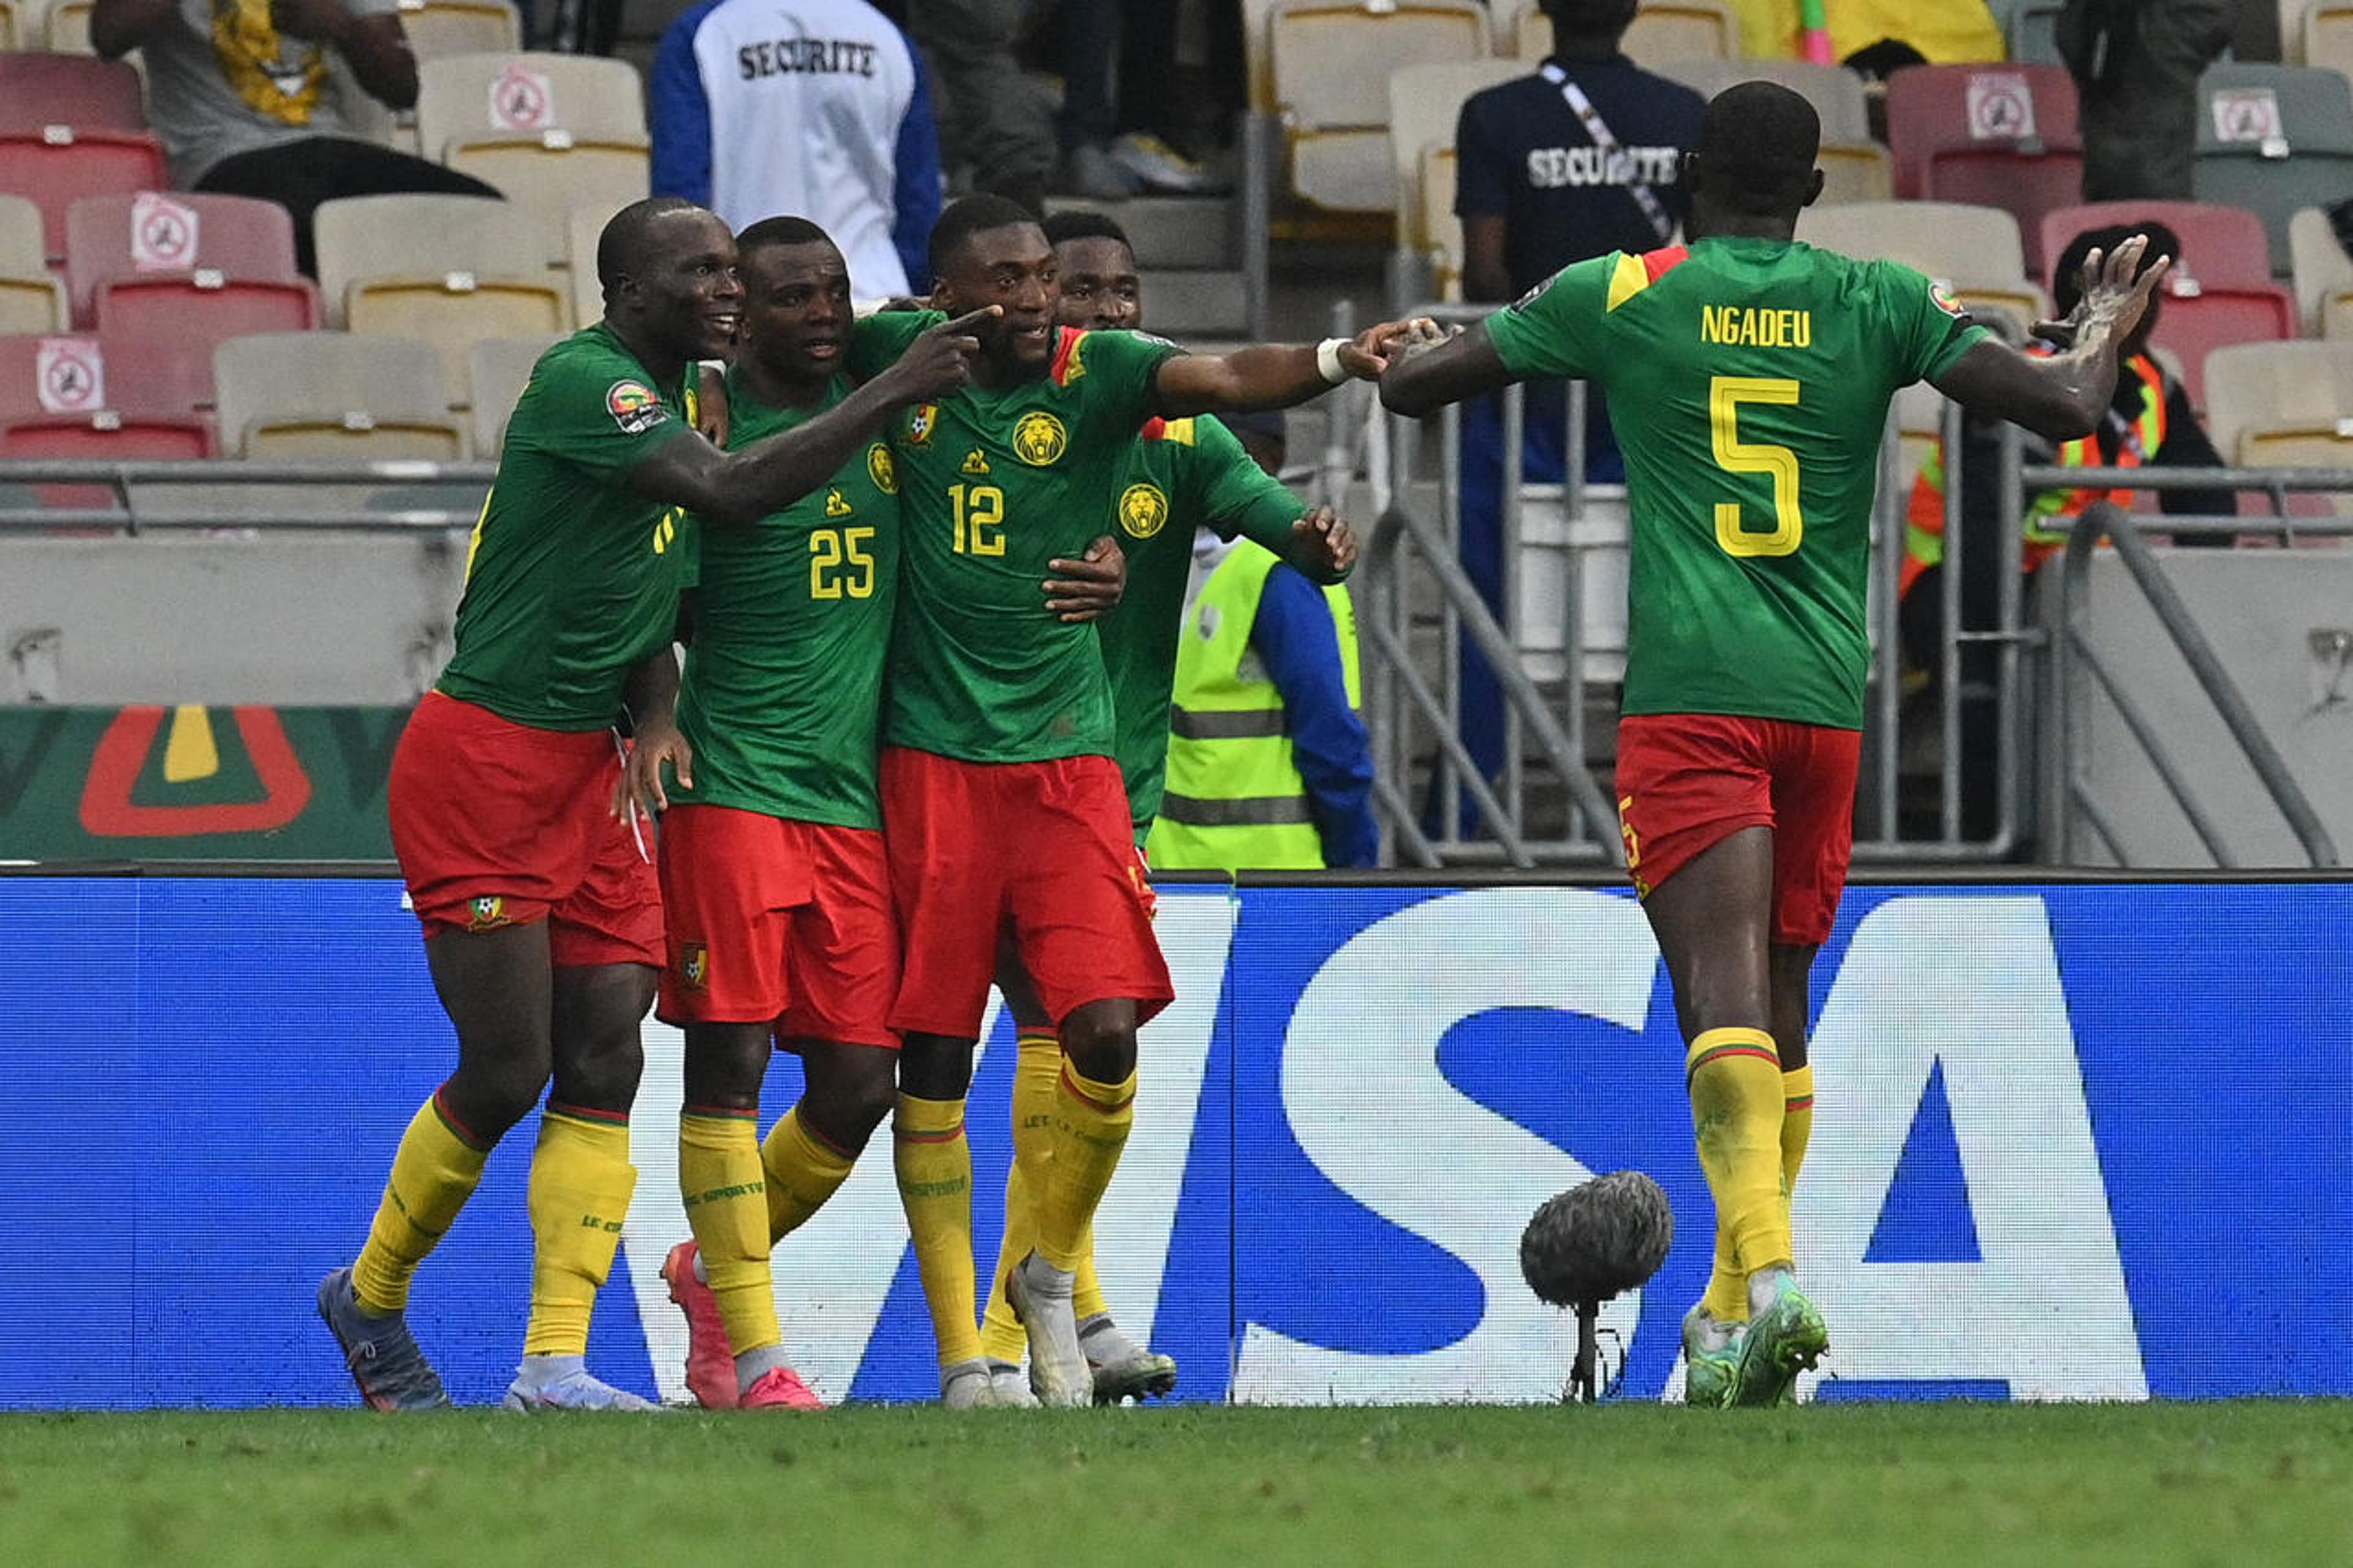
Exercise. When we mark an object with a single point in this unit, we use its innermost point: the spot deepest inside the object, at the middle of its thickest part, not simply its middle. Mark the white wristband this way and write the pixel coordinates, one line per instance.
(1328, 361)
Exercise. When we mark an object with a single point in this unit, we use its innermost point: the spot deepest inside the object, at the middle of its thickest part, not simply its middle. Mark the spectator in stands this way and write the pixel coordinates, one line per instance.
(1098, 162)
(735, 82)
(2150, 423)
(1580, 159)
(244, 98)
(992, 119)
(1261, 637)
(2136, 65)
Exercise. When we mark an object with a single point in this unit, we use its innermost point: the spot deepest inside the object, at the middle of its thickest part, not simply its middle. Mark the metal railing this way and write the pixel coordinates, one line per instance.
(136, 512)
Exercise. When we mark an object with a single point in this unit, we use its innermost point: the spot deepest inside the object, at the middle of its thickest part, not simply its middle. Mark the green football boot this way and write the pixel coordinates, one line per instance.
(1710, 1359)
(1786, 1335)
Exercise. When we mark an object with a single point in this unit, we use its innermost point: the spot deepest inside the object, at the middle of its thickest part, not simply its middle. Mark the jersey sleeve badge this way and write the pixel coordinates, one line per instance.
(1941, 294)
(1143, 511)
(633, 406)
(1039, 438)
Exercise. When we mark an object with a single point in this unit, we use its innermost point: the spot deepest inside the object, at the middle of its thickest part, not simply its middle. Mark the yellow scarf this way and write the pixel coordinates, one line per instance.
(249, 49)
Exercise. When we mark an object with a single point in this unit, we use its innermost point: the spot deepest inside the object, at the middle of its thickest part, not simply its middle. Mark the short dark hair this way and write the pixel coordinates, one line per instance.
(2067, 272)
(785, 229)
(621, 246)
(981, 212)
(1062, 227)
(1757, 142)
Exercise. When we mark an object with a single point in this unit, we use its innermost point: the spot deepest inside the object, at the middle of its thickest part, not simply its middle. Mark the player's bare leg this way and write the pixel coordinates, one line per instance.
(1119, 1367)
(581, 1181)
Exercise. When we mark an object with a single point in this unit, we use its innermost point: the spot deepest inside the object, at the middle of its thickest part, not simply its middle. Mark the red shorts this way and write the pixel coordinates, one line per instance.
(497, 823)
(1688, 780)
(778, 920)
(1042, 849)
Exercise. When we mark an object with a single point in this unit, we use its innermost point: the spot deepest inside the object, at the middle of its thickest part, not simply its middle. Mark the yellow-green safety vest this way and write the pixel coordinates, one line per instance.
(1235, 799)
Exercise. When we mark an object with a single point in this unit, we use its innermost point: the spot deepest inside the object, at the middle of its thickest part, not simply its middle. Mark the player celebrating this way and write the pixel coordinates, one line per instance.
(1004, 807)
(1180, 474)
(772, 869)
(1751, 376)
(542, 916)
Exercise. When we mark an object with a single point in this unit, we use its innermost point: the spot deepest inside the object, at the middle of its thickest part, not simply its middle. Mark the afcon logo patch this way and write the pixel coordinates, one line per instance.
(695, 965)
(1946, 300)
(923, 422)
(1143, 509)
(879, 468)
(633, 406)
(486, 913)
(1038, 438)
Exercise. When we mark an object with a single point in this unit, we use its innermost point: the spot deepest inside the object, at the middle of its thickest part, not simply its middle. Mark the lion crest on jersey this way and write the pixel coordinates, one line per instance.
(879, 468)
(1143, 509)
(1038, 438)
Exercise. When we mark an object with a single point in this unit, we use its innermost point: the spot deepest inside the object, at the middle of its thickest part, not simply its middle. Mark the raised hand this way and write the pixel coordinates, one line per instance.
(1369, 353)
(1323, 546)
(939, 360)
(2116, 291)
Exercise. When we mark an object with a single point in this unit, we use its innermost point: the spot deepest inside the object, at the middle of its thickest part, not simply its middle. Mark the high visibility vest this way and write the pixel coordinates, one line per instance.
(2049, 518)
(1235, 799)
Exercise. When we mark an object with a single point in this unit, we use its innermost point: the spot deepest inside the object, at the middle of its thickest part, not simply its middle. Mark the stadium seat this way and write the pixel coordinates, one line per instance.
(1662, 30)
(463, 98)
(82, 374)
(2032, 33)
(2267, 400)
(1425, 102)
(150, 237)
(31, 298)
(447, 270)
(582, 227)
(437, 28)
(104, 437)
(2326, 35)
(12, 35)
(1439, 230)
(1973, 251)
(1854, 167)
(332, 396)
(2324, 274)
(57, 165)
(65, 27)
(79, 90)
(555, 174)
(1324, 54)
(498, 370)
(2273, 139)
(1987, 135)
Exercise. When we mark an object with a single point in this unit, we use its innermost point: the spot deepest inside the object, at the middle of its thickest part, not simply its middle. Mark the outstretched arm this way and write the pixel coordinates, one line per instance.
(1269, 376)
(1433, 368)
(2063, 395)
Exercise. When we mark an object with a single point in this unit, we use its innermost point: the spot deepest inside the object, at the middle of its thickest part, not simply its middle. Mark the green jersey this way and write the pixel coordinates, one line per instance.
(1748, 382)
(572, 577)
(784, 684)
(995, 484)
(1180, 474)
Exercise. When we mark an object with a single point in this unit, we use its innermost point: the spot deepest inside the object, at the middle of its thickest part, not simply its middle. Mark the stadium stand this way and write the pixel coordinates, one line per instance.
(40, 89)
(552, 131)
(582, 227)
(2325, 35)
(2283, 403)
(84, 373)
(1987, 135)
(1974, 250)
(498, 370)
(103, 437)
(1854, 167)
(1322, 54)
(333, 397)
(59, 165)
(2323, 274)
(193, 247)
(1424, 103)
(32, 299)
(2273, 139)
(439, 28)
(443, 270)
(65, 26)
(2032, 33)
(12, 37)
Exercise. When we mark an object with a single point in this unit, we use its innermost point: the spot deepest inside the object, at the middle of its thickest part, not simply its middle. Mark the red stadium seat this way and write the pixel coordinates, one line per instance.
(111, 437)
(205, 310)
(78, 91)
(2194, 324)
(2220, 243)
(57, 165)
(43, 373)
(1989, 135)
(154, 234)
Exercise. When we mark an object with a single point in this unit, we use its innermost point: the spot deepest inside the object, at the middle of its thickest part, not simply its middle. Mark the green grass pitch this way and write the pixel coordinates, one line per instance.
(2252, 1482)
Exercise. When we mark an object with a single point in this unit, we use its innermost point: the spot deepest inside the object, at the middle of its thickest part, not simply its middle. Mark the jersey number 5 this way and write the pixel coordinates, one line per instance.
(979, 519)
(840, 563)
(1725, 394)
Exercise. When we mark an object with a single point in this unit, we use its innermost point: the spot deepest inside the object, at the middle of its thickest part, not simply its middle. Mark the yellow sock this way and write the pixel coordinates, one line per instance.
(1734, 1078)
(1797, 1124)
(434, 1171)
(934, 1167)
(1036, 1085)
(1089, 1130)
(581, 1180)
(719, 1177)
(802, 1170)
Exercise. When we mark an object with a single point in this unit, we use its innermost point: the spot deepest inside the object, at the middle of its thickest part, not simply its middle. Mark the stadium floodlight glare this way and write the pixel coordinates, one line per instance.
(1584, 1246)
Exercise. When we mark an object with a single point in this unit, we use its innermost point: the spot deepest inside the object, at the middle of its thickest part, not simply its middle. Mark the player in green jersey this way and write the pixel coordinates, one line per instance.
(1749, 377)
(541, 912)
(772, 864)
(1180, 474)
(1005, 809)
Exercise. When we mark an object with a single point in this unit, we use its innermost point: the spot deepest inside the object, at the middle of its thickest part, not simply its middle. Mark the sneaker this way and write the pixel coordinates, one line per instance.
(392, 1373)
(1039, 1295)
(779, 1388)
(577, 1389)
(1710, 1359)
(1121, 1368)
(1156, 166)
(967, 1385)
(1786, 1335)
(1089, 170)
(710, 1365)
(1011, 1386)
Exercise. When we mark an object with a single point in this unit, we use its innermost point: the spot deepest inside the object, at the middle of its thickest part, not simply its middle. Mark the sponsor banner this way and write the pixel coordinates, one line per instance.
(2082, 1141)
(196, 783)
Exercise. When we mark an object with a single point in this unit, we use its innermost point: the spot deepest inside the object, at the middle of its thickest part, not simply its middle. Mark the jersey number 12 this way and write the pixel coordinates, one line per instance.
(1725, 394)
(979, 519)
